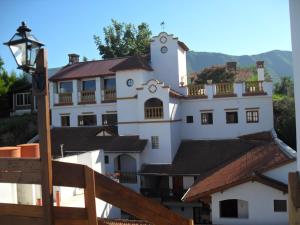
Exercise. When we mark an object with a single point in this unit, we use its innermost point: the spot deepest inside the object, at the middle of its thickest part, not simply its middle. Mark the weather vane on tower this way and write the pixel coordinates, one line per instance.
(162, 24)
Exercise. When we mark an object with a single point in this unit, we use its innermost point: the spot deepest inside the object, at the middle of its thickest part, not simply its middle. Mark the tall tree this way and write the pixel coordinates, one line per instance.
(124, 39)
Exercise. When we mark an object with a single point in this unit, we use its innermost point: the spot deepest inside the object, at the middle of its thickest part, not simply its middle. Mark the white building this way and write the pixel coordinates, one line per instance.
(158, 132)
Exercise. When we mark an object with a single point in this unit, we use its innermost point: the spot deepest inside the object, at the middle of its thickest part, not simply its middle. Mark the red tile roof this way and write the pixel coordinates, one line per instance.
(247, 167)
(106, 67)
(134, 62)
(87, 69)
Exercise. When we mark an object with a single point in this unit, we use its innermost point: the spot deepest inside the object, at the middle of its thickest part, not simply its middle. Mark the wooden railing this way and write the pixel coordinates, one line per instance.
(109, 95)
(196, 90)
(95, 186)
(254, 87)
(65, 98)
(127, 177)
(224, 89)
(87, 96)
(154, 112)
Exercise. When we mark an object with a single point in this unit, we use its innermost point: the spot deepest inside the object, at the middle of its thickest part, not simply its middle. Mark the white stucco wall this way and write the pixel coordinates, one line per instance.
(219, 129)
(295, 33)
(260, 204)
(281, 173)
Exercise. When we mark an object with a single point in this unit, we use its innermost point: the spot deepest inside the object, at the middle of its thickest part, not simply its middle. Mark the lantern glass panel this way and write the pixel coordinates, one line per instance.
(32, 51)
(19, 52)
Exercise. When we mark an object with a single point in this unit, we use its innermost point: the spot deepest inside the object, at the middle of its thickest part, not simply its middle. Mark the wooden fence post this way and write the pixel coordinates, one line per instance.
(90, 196)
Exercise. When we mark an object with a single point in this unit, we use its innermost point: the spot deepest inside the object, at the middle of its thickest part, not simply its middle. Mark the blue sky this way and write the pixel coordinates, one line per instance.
(229, 26)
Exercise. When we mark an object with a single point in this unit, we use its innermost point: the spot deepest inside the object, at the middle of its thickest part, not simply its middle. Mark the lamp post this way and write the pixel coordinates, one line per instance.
(32, 58)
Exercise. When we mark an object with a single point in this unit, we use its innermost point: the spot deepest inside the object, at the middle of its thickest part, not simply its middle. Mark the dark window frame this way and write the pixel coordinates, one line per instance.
(189, 119)
(110, 118)
(67, 121)
(235, 119)
(251, 117)
(278, 207)
(207, 118)
(106, 159)
(93, 118)
(25, 98)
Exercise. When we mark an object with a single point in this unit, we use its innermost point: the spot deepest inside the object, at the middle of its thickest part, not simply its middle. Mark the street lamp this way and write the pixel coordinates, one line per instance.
(24, 47)
(32, 58)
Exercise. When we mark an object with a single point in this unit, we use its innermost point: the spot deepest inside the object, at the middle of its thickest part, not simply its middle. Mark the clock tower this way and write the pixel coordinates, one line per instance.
(168, 59)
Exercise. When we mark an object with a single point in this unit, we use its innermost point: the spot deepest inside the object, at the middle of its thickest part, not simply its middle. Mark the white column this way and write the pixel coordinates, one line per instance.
(209, 90)
(295, 32)
(51, 95)
(98, 90)
(75, 92)
(238, 89)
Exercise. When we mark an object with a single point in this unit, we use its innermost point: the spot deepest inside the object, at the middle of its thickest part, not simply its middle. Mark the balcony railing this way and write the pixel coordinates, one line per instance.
(65, 98)
(196, 90)
(154, 112)
(87, 97)
(254, 88)
(126, 177)
(224, 89)
(109, 94)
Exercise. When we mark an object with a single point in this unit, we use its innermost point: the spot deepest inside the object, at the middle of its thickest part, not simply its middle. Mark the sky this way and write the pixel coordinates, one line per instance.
(235, 27)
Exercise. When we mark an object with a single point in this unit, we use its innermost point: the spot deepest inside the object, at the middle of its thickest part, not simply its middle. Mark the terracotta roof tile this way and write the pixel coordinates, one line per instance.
(87, 69)
(247, 167)
(83, 139)
(134, 62)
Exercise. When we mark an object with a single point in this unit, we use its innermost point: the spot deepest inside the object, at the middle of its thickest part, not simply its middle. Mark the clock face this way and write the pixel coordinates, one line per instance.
(164, 49)
(129, 82)
(163, 40)
(152, 88)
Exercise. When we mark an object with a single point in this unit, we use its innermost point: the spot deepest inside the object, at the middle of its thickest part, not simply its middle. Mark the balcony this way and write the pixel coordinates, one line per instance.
(254, 88)
(165, 194)
(63, 99)
(87, 97)
(197, 90)
(126, 177)
(109, 95)
(154, 112)
(224, 90)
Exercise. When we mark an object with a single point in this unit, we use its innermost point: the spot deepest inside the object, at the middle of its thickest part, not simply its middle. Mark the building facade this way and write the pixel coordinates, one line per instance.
(146, 116)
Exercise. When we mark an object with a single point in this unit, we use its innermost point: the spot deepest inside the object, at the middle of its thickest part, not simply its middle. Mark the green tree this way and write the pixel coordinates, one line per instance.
(124, 39)
(218, 74)
(284, 87)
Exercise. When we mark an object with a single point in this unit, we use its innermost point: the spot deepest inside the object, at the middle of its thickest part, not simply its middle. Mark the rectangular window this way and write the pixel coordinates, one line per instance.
(23, 99)
(197, 215)
(231, 117)
(88, 85)
(109, 119)
(207, 118)
(155, 142)
(229, 208)
(87, 120)
(189, 119)
(65, 120)
(109, 83)
(280, 206)
(106, 159)
(252, 116)
(66, 87)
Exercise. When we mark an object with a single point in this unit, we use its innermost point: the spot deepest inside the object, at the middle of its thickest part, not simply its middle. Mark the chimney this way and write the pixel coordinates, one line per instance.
(231, 67)
(260, 70)
(73, 58)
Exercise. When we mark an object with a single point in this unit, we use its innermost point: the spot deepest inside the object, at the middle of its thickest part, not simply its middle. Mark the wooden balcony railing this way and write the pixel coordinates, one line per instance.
(127, 177)
(109, 94)
(224, 89)
(196, 90)
(65, 99)
(87, 97)
(95, 185)
(154, 112)
(254, 88)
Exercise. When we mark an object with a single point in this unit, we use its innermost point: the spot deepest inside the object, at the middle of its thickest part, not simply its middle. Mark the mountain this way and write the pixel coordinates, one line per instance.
(278, 63)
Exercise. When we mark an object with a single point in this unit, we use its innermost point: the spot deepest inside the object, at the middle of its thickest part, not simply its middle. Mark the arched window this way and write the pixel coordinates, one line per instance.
(233, 208)
(154, 109)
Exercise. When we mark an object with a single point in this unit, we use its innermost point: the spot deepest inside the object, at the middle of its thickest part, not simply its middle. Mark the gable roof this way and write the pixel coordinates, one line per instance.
(106, 67)
(134, 62)
(196, 157)
(82, 139)
(87, 69)
(248, 167)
